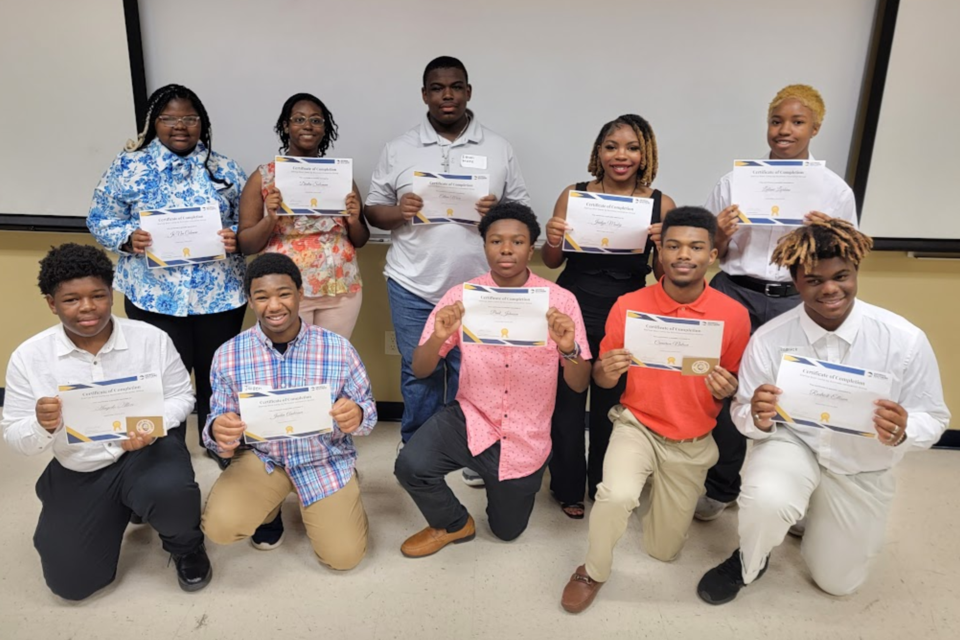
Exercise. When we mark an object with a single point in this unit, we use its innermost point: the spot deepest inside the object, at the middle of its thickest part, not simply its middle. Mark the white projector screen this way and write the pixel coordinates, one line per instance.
(67, 106)
(911, 191)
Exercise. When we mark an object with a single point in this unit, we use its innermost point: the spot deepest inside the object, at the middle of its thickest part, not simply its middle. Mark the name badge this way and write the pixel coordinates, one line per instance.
(468, 161)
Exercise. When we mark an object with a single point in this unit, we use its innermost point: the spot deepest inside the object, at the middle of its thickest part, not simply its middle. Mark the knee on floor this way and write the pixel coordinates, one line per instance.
(342, 559)
(836, 585)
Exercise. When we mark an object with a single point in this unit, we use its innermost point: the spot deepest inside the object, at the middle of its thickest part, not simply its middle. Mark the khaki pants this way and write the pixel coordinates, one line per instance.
(246, 496)
(676, 472)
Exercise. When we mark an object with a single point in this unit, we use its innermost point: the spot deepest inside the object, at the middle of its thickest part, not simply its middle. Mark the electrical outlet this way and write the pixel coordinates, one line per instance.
(390, 343)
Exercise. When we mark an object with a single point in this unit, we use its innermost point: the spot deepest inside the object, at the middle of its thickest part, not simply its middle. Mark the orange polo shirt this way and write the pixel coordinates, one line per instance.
(671, 404)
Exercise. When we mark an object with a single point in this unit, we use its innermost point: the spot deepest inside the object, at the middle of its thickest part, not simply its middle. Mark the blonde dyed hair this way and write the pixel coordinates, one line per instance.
(821, 240)
(806, 95)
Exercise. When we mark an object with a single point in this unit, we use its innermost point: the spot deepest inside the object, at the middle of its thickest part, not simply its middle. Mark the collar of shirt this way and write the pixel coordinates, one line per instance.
(117, 341)
(668, 306)
(166, 158)
(847, 331)
(268, 343)
(429, 135)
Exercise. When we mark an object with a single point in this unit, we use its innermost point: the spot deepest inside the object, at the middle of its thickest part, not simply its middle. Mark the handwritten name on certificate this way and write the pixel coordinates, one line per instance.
(777, 192)
(187, 235)
(281, 414)
(826, 395)
(505, 316)
(313, 186)
(108, 410)
(449, 197)
(689, 346)
(604, 223)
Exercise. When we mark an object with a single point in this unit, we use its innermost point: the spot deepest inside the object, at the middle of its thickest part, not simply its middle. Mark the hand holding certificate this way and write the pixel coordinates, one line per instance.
(448, 197)
(111, 409)
(777, 192)
(281, 414)
(604, 223)
(689, 346)
(187, 235)
(825, 395)
(505, 316)
(313, 186)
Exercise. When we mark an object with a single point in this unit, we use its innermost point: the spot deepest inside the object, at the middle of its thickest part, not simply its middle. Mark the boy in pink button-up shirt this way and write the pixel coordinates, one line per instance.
(499, 424)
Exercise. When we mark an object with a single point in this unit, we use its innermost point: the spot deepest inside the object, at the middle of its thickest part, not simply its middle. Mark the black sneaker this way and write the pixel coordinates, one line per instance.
(223, 463)
(269, 535)
(721, 584)
(135, 519)
(193, 569)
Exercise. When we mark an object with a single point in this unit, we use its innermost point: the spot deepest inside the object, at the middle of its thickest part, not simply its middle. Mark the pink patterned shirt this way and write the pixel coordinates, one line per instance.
(507, 393)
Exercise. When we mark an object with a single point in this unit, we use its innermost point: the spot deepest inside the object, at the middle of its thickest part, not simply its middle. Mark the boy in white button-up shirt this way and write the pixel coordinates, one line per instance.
(842, 483)
(90, 490)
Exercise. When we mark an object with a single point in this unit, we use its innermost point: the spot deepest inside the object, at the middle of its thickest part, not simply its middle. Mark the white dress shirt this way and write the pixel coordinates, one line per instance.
(427, 260)
(751, 246)
(870, 338)
(49, 359)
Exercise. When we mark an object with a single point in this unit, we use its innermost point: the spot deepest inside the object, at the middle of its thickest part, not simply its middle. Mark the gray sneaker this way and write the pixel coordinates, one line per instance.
(471, 478)
(709, 509)
(798, 529)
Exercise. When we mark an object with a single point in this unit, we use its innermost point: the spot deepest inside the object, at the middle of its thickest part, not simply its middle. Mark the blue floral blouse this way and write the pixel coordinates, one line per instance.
(154, 178)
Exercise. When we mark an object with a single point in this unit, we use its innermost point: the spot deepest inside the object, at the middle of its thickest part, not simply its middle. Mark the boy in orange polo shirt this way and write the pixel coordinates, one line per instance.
(661, 431)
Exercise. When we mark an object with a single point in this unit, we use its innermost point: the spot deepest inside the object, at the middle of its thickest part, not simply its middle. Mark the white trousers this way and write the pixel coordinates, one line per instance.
(846, 514)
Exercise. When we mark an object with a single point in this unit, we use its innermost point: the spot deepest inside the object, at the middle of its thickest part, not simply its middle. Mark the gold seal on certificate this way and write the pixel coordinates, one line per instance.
(690, 347)
(604, 223)
(826, 395)
(282, 414)
(183, 236)
(313, 186)
(108, 410)
(449, 197)
(505, 316)
(777, 192)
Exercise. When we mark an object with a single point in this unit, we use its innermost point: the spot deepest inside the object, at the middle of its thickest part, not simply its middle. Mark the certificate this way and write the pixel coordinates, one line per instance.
(449, 197)
(188, 235)
(106, 411)
(689, 346)
(603, 223)
(313, 186)
(777, 192)
(505, 316)
(281, 414)
(825, 395)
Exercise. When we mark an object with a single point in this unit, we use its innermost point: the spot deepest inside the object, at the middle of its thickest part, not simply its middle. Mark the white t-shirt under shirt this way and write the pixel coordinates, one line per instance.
(751, 247)
(427, 260)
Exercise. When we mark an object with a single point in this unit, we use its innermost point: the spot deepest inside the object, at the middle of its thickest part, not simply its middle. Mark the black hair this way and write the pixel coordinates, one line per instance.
(511, 211)
(268, 264)
(444, 62)
(648, 144)
(690, 217)
(157, 102)
(72, 261)
(329, 125)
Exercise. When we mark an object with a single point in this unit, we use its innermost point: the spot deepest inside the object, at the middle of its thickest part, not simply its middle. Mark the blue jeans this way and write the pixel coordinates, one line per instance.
(422, 397)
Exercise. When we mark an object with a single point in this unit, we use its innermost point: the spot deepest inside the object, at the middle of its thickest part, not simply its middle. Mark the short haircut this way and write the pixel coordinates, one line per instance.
(690, 217)
(806, 95)
(511, 211)
(268, 264)
(444, 62)
(821, 240)
(73, 261)
(648, 146)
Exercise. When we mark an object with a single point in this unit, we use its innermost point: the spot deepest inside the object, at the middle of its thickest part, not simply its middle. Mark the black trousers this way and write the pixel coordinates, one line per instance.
(196, 338)
(438, 447)
(84, 514)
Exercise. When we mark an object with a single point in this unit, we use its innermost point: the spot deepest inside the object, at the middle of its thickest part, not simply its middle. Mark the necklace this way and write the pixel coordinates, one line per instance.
(636, 186)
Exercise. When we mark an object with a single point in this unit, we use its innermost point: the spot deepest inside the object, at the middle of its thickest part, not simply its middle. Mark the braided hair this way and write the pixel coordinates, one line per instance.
(157, 102)
(648, 145)
(821, 240)
(329, 125)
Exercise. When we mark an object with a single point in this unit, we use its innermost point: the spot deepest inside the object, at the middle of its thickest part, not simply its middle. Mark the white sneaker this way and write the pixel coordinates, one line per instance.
(709, 509)
(471, 478)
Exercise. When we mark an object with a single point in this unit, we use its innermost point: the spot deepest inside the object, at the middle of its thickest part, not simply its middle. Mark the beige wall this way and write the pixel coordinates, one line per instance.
(925, 292)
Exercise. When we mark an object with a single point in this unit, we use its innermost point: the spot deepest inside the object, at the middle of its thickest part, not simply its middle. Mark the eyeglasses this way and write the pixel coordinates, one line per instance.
(172, 121)
(300, 121)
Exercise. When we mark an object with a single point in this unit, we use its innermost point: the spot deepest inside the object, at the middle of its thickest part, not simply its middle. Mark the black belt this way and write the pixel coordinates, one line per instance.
(769, 289)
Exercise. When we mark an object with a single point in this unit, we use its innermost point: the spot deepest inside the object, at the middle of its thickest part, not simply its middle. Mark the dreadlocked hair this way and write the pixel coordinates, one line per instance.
(821, 240)
(648, 146)
(157, 102)
(329, 125)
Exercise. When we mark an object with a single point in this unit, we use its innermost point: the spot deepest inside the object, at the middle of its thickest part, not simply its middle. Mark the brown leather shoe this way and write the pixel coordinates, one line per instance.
(430, 540)
(580, 591)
